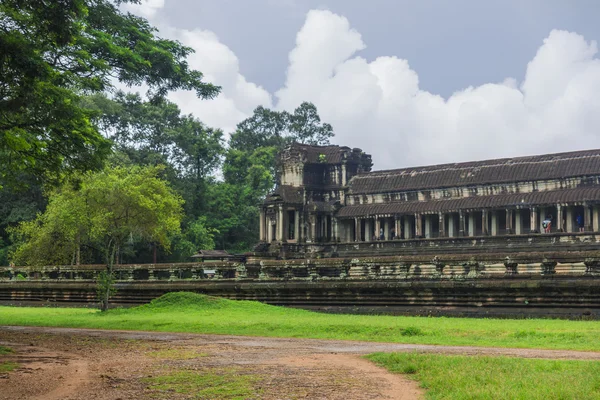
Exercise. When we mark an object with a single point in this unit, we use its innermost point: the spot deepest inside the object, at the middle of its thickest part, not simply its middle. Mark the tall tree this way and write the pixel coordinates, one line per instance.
(104, 212)
(53, 51)
(151, 133)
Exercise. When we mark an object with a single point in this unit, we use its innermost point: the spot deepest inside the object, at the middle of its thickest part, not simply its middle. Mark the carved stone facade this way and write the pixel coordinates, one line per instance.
(328, 194)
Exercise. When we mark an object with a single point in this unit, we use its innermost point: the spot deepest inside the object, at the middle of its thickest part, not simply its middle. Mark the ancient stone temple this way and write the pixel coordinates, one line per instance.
(328, 194)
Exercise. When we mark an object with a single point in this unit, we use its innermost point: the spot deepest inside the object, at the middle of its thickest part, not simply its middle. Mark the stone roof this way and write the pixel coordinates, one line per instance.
(519, 169)
(553, 197)
(287, 194)
(332, 154)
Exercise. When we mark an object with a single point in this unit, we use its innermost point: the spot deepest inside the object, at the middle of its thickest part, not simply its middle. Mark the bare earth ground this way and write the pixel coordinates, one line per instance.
(62, 363)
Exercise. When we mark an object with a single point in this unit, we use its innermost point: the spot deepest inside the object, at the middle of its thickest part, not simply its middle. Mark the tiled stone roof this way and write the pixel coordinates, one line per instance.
(577, 195)
(519, 169)
(287, 194)
(332, 154)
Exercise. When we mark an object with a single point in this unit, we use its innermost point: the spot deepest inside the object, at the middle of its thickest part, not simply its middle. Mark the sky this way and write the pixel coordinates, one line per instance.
(409, 82)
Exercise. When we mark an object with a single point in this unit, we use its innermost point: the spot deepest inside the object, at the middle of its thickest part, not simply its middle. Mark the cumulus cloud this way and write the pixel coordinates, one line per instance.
(146, 8)
(377, 105)
(219, 65)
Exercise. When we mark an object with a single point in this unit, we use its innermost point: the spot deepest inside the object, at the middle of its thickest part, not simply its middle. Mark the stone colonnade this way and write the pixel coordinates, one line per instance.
(280, 223)
(483, 222)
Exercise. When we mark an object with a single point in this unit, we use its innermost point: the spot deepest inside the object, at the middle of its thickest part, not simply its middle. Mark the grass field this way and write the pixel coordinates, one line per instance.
(187, 312)
(496, 378)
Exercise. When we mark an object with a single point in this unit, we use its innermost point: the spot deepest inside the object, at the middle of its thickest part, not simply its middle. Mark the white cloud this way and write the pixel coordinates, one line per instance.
(220, 66)
(146, 8)
(379, 106)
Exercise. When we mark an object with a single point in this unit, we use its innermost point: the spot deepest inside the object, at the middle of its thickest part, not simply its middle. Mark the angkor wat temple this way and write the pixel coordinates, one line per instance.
(328, 195)
(508, 237)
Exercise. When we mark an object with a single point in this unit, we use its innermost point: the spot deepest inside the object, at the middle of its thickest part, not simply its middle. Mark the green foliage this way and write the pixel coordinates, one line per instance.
(5, 350)
(188, 312)
(196, 236)
(105, 288)
(55, 51)
(214, 383)
(462, 377)
(103, 212)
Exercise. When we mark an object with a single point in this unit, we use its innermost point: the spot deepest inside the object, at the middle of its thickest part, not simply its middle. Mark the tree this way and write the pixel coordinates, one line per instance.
(55, 51)
(104, 212)
(151, 133)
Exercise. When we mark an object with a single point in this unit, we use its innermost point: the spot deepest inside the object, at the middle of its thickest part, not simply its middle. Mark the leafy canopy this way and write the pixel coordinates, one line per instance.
(104, 212)
(53, 52)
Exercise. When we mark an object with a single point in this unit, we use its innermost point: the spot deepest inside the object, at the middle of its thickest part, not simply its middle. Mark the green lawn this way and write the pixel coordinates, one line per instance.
(187, 312)
(496, 378)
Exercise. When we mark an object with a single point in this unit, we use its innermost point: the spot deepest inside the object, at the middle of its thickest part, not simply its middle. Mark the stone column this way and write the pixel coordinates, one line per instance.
(451, 227)
(509, 222)
(343, 174)
(559, 218)
(301, 234)
(356, 230)
(533, 219)
(279, 228)
(334, 229)
(494, 223)
(442, 225)
(427, 226)
(368, 235)
(397, 227)
(377, 226)
(587, 218)
(595, 219)
(269, 228)
(569, 227)
(386, 229)
(408, 230)
(313, 228)
(518, 223)
(418, 226)
(297, 226)
(472, 225)
(262, 225)
(484, 222)
(462, 229)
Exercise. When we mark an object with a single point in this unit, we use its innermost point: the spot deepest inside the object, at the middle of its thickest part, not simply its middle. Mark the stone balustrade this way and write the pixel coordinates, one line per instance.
(366, 268)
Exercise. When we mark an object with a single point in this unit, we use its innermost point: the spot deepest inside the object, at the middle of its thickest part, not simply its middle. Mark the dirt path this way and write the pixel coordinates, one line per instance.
(62, 363)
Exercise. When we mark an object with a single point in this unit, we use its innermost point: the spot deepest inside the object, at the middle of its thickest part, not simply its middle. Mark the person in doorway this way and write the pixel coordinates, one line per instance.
(381, 234)
(579, 220)
(393, 234)
(547, 224)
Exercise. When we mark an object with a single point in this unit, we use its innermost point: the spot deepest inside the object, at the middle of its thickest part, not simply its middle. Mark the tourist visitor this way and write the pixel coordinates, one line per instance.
(547, 224)
(393, 234)
(381, 234)
(579, 220)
